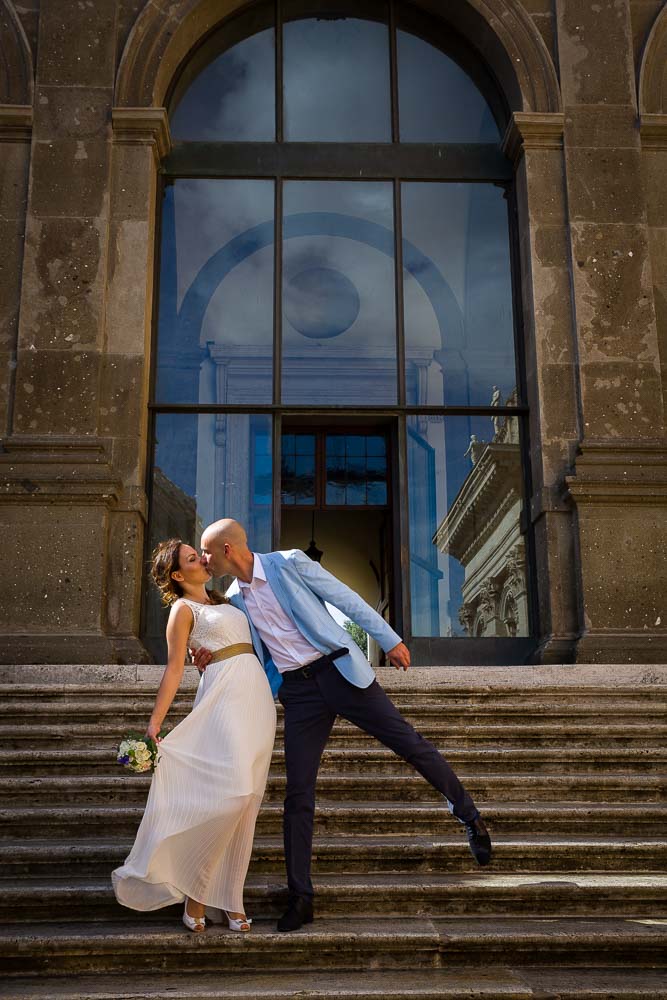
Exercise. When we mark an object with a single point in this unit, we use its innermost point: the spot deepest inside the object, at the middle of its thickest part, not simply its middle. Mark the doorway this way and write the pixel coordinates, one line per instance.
(336, 505)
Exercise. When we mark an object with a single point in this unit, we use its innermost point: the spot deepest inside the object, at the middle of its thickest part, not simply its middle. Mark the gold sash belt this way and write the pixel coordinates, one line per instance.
(235, 650)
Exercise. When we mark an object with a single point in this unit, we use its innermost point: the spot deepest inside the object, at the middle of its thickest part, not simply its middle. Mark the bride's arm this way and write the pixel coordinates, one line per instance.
(178, 631)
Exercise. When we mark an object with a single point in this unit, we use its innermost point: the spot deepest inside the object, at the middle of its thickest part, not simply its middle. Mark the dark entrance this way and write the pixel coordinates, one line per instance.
(336, 504)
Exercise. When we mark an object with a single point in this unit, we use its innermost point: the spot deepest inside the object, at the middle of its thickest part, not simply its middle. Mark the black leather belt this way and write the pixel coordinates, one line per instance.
(310, 669)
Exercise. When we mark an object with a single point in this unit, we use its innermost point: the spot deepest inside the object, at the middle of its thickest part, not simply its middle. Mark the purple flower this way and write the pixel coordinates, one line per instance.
(124, 760)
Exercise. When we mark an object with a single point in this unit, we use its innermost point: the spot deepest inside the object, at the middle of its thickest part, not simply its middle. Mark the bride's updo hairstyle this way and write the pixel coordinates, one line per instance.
(164, 562)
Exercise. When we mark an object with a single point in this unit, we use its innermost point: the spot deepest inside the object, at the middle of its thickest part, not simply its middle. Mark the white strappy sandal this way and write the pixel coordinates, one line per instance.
(242, 924)
(194, 924)
(216, 916)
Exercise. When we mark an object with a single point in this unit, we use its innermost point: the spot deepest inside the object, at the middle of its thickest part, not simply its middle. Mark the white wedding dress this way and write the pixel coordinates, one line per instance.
(196, 834)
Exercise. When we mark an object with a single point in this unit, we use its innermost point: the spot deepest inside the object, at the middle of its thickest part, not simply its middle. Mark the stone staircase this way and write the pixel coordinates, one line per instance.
(567, 764)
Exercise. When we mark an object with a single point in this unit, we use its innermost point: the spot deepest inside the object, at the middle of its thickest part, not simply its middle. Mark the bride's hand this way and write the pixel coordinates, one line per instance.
(152, 731)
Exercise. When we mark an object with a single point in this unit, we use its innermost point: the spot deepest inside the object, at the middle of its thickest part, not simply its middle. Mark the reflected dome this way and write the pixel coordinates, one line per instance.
(321, 303)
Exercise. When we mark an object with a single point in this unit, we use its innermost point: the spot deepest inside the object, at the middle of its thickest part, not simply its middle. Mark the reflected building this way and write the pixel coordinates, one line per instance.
(482, 531)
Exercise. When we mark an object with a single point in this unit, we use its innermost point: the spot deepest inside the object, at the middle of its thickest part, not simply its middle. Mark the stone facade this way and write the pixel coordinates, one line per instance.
(82, 130)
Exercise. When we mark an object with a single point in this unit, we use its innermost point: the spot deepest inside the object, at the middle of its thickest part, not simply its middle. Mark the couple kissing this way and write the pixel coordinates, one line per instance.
(270, 636)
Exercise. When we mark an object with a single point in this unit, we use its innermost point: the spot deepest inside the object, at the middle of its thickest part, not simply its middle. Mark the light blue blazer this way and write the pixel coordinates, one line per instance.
(301, 587)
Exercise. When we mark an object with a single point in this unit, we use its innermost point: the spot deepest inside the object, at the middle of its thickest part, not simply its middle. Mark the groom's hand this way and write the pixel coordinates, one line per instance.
(201, 657)
(399, 656)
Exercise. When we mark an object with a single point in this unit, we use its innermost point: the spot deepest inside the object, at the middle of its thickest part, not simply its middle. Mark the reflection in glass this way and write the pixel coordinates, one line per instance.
(438, 102)
(207, 466)
(233, 98)
(459, 328)
(356, 470)
(467, 557)
(215, 326)
(298, 469)
(339, 328)
(336, 79)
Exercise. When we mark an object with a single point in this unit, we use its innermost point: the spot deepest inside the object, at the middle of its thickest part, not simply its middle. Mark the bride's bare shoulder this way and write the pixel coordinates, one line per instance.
(180, 609)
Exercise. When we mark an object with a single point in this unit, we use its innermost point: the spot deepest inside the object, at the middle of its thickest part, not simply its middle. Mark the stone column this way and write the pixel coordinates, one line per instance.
(620, 478)
(534, 142)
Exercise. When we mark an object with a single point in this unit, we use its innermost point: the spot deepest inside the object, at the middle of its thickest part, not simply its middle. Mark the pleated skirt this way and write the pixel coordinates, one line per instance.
(196, 835)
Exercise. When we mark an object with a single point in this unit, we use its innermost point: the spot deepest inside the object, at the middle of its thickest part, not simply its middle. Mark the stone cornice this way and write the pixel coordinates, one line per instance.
(142, 127)
(15, 123)
(653, 131)
(530, 130)
(58, 469)
(620, 473)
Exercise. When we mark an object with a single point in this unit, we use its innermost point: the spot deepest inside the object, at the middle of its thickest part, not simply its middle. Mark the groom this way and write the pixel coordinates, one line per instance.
(318, 674)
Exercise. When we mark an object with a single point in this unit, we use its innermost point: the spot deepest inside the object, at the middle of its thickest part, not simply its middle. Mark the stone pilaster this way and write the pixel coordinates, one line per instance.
(140, 140)
(535, 143)
(61, 488)
(622, 427)
(15, 134)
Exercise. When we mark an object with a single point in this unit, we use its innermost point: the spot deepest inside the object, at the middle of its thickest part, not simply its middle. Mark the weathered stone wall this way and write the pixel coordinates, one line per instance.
(82, 84)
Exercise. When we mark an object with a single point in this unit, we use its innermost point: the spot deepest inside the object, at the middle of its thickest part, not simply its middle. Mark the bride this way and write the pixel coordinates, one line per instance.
(195, 838)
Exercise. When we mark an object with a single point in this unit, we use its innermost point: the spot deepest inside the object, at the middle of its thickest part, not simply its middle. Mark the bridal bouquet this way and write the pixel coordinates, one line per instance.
(137, 753)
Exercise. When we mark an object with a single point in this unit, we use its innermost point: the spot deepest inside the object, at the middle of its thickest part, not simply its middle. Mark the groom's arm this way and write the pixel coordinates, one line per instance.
(331, 589)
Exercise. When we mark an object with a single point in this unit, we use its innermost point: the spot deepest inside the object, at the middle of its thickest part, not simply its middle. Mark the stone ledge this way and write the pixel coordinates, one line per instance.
(577, 675)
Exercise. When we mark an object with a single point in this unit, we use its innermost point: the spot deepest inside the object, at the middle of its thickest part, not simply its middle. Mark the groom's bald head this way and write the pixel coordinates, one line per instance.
(225, 530)
(224, 547)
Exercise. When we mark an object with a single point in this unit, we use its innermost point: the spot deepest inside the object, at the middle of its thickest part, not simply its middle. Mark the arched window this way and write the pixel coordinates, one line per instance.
(335, 253)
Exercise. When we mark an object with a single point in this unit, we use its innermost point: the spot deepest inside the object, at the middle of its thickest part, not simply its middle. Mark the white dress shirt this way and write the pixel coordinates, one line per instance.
(288, 647)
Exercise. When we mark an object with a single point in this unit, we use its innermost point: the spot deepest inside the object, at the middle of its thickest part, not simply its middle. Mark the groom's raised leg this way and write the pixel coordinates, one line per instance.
(372, 710)
(308, 723)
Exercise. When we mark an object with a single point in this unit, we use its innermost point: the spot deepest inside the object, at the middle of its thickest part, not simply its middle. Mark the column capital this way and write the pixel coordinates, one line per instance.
(142, 127)
(15, 123)
(532, 130)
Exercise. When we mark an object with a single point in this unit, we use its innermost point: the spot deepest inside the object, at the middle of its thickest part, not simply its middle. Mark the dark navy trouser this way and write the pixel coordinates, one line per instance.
(311, 706)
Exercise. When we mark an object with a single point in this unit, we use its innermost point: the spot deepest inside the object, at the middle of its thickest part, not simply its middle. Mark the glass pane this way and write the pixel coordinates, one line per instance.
(355, 494)
(298, 469)
(339, 327)
(467, 554)
(336, 76)
(201, 472)
(459, 326)
(335, 493)
(305, 479)
(215, 327)
(304, 444)
(376, 445)
(354, 477)
(377, 493)
(227, 90)
(437, 100)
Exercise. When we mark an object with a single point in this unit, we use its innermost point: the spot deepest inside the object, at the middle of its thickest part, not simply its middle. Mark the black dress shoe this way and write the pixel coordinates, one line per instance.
(298, 913)
(479, 841)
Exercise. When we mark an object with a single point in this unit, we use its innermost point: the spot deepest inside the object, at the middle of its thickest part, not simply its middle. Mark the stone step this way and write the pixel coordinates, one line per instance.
(383, 895)
(459, 734)
(514, 760)
(490, 983)
(132, 789)
(412, 818)
(366, 854)
(327, 945)
(404, 689)
(135, 713)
